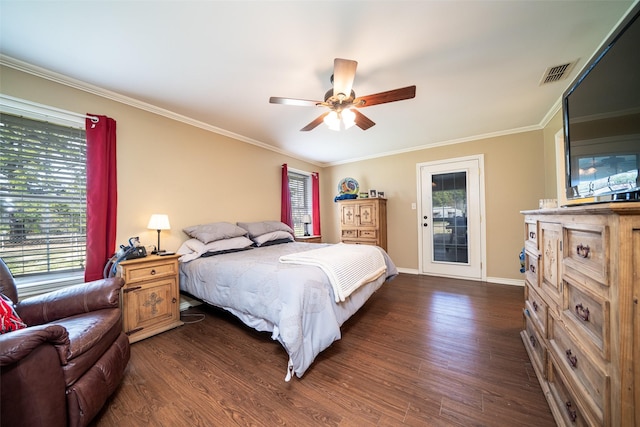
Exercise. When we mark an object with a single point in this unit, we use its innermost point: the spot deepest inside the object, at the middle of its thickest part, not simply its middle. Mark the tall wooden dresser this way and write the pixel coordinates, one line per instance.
(581, 315)
(364, 221)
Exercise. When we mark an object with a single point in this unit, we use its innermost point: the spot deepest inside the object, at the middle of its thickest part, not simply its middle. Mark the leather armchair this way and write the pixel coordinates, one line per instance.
(61, 369)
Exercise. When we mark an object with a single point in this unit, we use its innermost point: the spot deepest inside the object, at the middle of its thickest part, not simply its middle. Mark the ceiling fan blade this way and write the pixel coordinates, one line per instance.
(384, 97)
(362, 121)
(314, 123)
(293, 101)
(344, 71)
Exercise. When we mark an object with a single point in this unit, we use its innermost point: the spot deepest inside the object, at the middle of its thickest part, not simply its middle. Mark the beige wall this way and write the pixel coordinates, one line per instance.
(196, 176)
(513, 182)
(165, 166)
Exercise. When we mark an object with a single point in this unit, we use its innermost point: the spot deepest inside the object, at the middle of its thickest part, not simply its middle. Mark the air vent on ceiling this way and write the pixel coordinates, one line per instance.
(557, 72)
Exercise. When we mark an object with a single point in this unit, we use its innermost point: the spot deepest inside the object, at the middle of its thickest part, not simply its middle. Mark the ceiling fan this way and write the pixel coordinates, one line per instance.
(342, 102)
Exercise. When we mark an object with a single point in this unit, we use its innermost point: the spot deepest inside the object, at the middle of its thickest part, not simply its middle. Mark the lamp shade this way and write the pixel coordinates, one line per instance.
(306, 219)
(159, 222)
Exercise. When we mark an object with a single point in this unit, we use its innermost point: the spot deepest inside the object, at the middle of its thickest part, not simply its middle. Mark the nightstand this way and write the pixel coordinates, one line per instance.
(309, 239)
(150, 298)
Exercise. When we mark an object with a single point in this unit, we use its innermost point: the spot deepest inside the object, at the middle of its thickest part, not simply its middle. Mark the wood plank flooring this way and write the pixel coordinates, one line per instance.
(423, 351)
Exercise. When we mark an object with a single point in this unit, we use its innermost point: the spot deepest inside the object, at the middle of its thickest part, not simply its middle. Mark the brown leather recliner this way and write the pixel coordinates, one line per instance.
(62, 368)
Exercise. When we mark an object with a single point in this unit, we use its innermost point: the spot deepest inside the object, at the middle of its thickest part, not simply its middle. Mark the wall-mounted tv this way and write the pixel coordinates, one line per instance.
(601, 121)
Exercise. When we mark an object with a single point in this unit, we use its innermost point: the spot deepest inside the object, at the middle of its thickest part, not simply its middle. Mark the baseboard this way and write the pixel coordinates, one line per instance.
(496, 280)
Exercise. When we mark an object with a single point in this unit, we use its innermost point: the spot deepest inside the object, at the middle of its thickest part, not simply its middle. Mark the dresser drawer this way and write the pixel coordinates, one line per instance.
(570, 409)
(586, 250)
(368, 234)
(583, 371)
(537, 309)
(535, 346)
(588, 316)
(148, 271)
(532, 268)
(352, 234)
(531, 234)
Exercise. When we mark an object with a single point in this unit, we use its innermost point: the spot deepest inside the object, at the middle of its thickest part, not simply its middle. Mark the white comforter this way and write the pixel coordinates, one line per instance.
(296, 303)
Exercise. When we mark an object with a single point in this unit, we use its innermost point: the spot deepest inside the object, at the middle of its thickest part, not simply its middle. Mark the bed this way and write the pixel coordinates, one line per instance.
(295, 302)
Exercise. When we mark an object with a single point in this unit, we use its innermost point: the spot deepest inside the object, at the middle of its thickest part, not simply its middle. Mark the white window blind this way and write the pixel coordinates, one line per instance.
(300, 189)
(42, 196)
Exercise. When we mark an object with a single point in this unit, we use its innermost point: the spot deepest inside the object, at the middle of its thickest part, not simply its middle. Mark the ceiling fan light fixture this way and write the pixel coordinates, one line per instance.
(348, 118)
(332, 120)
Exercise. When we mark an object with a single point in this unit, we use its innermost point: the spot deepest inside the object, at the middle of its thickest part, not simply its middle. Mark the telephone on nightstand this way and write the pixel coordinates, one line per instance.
(134, 250)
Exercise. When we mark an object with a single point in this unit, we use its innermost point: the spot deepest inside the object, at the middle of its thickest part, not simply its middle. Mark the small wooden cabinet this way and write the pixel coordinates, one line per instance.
(364, 221)
(581, 323)
(150, 298)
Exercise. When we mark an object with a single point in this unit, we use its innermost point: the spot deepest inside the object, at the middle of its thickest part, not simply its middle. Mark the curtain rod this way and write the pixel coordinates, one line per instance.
(45, 110)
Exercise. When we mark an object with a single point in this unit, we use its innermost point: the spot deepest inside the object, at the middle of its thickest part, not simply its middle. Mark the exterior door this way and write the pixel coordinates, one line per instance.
(451, 210)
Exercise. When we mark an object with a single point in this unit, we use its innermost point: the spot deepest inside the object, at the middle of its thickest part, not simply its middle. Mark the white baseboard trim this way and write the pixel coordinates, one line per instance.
(497, 280)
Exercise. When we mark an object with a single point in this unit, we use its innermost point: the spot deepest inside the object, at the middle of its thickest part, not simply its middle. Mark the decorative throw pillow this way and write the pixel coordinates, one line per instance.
(208, 233)
(9, 319)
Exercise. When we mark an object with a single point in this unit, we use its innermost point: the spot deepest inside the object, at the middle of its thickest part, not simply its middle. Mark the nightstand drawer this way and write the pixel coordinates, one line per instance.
(149, 271)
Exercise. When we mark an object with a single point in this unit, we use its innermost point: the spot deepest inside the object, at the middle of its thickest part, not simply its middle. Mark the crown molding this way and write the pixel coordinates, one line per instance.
(43, 73)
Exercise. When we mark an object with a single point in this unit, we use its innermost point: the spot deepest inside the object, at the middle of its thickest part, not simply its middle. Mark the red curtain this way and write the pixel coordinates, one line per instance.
(285, 206)
(101, 195)
(315, 203)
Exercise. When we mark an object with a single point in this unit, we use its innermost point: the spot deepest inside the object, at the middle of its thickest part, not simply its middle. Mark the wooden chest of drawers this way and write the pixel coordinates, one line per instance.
(364, 221)
(150, 298)
(581, 324)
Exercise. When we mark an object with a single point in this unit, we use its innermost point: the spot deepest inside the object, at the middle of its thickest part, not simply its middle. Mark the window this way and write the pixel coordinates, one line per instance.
(42, 196)
(300, 189)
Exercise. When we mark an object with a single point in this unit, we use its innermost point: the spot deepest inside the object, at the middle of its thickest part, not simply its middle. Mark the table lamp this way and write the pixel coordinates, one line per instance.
(306, 220)
(159, 222)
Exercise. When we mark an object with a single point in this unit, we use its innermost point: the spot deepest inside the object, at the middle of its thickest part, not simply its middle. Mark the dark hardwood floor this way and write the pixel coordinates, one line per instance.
(423, 351)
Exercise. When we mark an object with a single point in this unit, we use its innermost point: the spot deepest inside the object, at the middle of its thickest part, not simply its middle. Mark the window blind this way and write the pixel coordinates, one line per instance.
(300, 189)
(42, 196)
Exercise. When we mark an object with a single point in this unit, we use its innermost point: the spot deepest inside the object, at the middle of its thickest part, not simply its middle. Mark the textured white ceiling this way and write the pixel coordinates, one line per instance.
(476, 64)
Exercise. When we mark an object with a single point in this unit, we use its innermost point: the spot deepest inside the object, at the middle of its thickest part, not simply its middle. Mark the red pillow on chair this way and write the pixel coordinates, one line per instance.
(9, 319)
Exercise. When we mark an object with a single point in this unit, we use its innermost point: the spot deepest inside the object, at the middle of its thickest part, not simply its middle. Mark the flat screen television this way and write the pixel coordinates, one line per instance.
(601, 121)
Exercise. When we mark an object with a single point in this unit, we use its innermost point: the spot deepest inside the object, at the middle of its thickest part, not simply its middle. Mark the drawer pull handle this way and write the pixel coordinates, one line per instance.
(532, 234)
(533, 340)
(535, 306)
(153, 272)
(583, 251)
(571, 412)
(573, 360)
(582, 312)
(532, 268)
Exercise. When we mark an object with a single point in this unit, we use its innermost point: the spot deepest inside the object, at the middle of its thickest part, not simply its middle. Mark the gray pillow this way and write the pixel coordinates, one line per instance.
(259, 228)
(211, 232)
(272, 236)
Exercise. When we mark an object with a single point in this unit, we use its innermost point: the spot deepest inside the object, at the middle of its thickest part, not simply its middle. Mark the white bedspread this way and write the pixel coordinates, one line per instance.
(347, 266)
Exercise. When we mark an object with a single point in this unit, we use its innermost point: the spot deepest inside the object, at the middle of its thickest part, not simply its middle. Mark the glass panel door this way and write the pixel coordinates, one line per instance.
(449, 213)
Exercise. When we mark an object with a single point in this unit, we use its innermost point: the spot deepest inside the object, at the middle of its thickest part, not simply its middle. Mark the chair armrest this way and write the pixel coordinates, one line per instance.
(17, 345)
(71, 301)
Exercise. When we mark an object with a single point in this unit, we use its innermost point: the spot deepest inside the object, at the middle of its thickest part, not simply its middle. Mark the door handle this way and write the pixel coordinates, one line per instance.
(425, 224)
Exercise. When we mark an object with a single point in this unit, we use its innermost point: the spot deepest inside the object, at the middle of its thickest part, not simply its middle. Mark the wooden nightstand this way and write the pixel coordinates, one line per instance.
(150, 298)
(309, 239)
